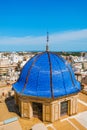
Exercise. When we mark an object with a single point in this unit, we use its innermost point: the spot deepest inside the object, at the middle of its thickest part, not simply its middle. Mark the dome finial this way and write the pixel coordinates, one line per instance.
(47, 47)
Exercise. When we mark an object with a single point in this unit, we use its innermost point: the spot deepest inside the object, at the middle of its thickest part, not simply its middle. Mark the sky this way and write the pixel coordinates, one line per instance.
(24, 25)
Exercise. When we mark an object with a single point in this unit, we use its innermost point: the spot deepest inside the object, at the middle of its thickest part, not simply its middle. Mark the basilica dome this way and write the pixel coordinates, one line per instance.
(47, 75)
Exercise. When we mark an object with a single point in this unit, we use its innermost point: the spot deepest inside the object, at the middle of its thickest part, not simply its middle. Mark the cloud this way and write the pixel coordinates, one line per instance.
(70, 35)
(62, 40)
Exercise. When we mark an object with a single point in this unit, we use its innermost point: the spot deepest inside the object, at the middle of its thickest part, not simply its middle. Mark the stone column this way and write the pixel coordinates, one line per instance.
(21, 108)
(30, 110)
(76, 105)
(43, 112)
(71, 107)
(47, 112)
(59, 105)
(56, 111)
(52, 112)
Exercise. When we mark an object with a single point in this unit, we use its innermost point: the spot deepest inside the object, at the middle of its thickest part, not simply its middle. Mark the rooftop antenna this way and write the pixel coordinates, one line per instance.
(47, 47)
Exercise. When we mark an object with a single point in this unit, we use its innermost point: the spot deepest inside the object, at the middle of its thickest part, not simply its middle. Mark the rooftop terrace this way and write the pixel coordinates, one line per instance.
(76, 122)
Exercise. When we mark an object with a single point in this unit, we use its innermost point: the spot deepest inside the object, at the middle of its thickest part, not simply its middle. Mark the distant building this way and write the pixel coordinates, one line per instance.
(84, 85)
(85, 65)
(84, 80)
(4, 63)
(7, 70)
(47, 88)
(78, 76)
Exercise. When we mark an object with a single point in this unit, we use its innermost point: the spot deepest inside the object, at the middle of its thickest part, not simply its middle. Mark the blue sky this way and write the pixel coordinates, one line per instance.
(24, 23)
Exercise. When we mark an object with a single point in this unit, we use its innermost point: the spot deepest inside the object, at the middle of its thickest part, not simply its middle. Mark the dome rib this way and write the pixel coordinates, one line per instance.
(61, 73)
(50, 65)
(72, 78)
(70, 75)
(69, 72)
(67, 68)
(29, 70)
(37, 80)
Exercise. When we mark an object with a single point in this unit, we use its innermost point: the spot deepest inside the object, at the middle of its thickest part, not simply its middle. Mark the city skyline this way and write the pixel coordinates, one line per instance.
(23, 25)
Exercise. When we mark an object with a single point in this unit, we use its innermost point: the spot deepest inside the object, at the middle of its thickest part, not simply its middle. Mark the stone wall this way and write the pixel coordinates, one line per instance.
(50, 109)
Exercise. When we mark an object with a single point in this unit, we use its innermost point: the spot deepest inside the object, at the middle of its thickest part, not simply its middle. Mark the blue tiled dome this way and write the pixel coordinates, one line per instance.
(47, 75)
